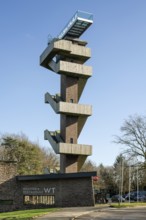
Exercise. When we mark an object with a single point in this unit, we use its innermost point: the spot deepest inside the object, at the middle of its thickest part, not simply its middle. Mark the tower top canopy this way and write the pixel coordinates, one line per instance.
(77, 25)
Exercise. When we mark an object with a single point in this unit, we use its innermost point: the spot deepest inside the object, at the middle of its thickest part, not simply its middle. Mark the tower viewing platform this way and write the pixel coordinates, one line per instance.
(77, 25)
(66, 55)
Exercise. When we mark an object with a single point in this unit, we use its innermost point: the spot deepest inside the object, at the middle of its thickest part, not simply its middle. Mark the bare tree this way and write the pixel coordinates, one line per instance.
(134, 136)
(51, 160)
(89, 166)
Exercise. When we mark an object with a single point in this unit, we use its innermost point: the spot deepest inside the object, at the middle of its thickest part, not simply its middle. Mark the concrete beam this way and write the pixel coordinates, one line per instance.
(81, 85)
(66, 148)
(65, 48)
(68, 108)
(75, 149)
(81, 161)
(73, 69)
(75, 109)
(81, 122)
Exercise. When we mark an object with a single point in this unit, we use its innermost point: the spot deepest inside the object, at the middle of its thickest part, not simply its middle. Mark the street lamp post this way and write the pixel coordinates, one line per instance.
(122, 179)
(129, 182)
(137, 184)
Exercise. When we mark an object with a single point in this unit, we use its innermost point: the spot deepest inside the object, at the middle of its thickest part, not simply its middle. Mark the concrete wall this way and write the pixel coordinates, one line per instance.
(68, 190)
(8, 185)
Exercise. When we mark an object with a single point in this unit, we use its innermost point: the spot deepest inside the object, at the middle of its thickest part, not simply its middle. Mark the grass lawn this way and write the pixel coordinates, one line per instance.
(126, 204)
(26, 214)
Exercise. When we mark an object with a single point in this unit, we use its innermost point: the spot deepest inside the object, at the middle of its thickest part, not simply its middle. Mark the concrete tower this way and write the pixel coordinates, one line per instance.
(66, 55)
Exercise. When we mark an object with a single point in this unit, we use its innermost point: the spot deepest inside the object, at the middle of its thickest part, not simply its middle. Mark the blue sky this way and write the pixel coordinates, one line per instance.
(116, 90)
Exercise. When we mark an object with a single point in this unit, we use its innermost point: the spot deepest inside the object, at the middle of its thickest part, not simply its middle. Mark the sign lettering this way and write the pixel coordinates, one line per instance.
(38, 190)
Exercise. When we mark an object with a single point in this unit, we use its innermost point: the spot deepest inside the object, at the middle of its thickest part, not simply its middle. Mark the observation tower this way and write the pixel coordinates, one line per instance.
(66, 55)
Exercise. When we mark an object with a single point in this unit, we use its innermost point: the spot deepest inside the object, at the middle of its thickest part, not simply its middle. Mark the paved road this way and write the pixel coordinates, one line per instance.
(86, 213)
(116, 214)
(67, 213)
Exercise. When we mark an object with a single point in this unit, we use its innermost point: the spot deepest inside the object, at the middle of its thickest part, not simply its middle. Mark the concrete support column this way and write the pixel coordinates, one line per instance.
(69, 89)
(67, 58)
(68, 163)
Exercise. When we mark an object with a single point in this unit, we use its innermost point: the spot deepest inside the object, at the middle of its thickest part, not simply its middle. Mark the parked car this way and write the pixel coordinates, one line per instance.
(134, 197)
(141, 198)
(117, 198)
